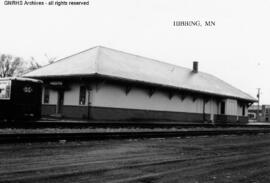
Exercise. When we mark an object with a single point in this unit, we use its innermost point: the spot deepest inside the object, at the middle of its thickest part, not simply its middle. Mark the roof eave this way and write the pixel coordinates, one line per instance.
(140, 82)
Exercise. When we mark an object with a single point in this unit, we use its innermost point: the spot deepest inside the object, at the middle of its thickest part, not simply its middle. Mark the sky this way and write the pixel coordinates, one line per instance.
(236, 49)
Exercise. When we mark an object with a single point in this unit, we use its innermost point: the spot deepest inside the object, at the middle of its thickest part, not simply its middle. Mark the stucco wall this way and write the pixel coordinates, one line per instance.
(114, 96)
(240, 108)
(211, 108)
(71, 96)
(109, 95)
(231, 107)
(52, 98)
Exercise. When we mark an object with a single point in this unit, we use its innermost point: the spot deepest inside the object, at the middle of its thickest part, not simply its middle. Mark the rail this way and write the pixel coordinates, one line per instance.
(52, 137)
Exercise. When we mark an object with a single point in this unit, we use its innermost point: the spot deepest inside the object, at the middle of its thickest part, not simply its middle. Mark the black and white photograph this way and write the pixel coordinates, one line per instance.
(156, 91)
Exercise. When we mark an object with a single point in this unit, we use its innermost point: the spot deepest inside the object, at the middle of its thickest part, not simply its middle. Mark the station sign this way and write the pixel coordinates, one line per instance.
(56, 83)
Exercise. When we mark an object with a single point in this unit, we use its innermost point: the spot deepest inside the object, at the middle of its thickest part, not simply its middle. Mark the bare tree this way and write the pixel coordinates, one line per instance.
(33, 65)
(11, 66)
(50, 59)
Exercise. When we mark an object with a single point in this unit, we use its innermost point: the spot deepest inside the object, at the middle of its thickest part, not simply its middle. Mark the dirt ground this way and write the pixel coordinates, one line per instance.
(197, 159)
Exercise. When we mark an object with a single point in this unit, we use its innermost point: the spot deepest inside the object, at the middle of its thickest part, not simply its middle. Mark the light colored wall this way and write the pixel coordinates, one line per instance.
(211, 108)
(71, 96)
(231, 107)
(109, 95)
(42, 96)
(246, 111)
(239, 110)
(52, 98)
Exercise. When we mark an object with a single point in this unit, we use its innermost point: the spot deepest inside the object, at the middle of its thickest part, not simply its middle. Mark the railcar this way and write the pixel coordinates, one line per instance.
(20, 99)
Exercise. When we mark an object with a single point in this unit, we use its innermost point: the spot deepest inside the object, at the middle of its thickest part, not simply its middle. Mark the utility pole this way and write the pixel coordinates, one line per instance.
(258, 110)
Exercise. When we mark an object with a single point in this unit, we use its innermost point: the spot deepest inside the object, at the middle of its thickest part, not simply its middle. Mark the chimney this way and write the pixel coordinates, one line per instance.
(195, 67)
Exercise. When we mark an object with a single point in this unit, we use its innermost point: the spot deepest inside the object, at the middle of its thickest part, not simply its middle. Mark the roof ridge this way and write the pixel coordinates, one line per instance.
(153, 60)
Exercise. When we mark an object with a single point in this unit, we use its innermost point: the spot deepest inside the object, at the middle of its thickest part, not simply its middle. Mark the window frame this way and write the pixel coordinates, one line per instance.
(82, 95)
(46, 99)
(7, 89)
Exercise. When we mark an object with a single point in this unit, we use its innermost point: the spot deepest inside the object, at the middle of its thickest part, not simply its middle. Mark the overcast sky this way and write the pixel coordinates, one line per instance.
(236, 49)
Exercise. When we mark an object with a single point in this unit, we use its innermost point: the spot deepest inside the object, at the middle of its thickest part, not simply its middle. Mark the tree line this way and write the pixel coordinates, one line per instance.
(11, 66)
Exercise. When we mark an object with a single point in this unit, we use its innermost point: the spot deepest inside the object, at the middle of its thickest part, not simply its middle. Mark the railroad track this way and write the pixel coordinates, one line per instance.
(102, 124)
(50, 137)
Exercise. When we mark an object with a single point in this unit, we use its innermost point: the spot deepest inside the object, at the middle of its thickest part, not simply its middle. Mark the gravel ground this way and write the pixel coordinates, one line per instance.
(197, 159)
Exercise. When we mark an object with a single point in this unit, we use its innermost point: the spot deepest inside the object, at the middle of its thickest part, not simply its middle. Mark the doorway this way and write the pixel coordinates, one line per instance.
(60, 102)
(222, 108)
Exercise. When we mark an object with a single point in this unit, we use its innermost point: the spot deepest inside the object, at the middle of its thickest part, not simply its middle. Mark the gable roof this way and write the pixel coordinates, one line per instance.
(117, 64)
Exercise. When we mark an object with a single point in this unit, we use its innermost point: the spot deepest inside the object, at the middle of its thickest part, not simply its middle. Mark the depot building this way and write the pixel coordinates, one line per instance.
(106, 84)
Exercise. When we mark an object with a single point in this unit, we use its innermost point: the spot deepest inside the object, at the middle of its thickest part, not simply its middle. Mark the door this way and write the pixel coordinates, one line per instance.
(222, 108)
(60, 102)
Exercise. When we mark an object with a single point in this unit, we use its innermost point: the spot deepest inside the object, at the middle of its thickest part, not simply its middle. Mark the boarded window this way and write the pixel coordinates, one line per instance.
(82, 95)
(46, 96)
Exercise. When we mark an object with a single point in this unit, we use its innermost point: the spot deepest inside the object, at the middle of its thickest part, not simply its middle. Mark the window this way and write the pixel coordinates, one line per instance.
(5, 89)
(46, 95)
(82, 95)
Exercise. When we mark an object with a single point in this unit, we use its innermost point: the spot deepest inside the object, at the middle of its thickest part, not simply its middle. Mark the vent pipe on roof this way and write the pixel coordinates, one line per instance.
(195, 67)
